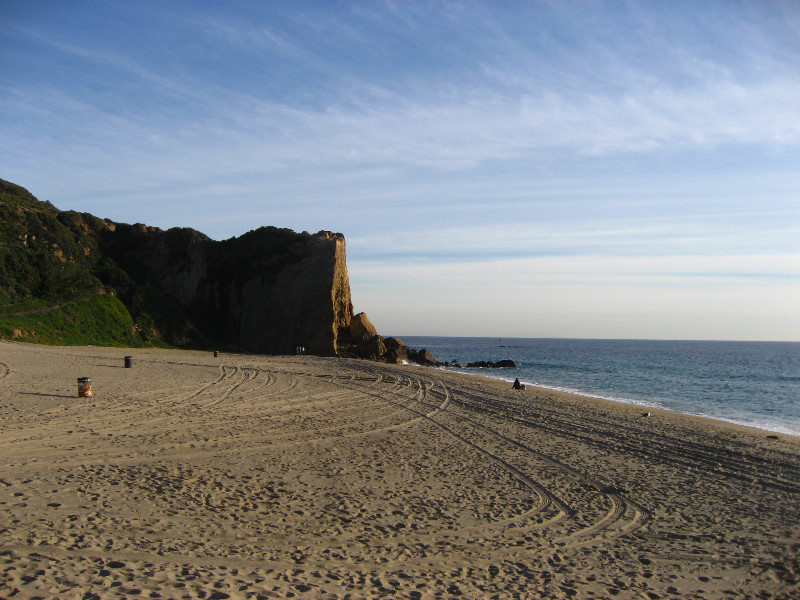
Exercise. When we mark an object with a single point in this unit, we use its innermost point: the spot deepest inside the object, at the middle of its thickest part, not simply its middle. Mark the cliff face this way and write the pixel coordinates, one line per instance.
(295, 294)
(269, 290)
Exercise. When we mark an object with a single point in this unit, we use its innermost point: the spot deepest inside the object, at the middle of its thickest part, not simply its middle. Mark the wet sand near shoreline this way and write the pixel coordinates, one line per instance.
(239, 476)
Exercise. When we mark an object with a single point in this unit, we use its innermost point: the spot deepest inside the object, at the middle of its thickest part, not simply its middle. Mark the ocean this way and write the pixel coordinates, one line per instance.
(748, 383)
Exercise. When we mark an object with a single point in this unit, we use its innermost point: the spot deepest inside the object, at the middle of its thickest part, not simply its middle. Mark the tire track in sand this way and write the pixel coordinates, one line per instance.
(620, 504)
(545, 499)
(610, 522)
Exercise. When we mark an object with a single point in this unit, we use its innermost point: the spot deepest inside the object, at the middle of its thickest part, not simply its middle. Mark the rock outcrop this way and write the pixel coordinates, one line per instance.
(487, 364)
(268, 291)
(361, 328)
(391, 349)
(396, 350)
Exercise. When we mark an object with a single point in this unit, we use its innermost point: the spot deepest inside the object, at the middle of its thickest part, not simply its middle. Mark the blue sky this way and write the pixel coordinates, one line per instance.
(555, 169)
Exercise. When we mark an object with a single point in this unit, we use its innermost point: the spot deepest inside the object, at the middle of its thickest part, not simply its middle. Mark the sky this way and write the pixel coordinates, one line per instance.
(582, 169)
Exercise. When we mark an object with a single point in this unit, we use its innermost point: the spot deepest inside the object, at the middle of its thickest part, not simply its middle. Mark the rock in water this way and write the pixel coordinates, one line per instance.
(396, 350)
(505, 364)
(424, 357)
(487, 364)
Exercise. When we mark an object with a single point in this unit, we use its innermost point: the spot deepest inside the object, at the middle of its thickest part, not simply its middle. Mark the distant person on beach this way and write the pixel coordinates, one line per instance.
(517, 385)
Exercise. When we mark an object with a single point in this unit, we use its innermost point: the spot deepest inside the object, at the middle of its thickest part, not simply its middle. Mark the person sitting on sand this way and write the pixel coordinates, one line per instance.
(517, 385)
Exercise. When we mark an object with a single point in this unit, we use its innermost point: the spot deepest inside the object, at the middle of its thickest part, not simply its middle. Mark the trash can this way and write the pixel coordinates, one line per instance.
(84, 387)
(128, 362)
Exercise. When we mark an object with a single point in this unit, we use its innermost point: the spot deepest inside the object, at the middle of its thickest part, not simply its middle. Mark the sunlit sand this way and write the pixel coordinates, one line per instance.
(190, 476)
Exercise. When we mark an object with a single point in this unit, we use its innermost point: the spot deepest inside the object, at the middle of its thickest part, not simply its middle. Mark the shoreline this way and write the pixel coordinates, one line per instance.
(243, 476)
(745, 383)
(629, 402)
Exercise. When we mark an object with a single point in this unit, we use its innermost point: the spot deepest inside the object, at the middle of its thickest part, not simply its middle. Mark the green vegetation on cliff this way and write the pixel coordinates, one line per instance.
(53, 275)
(44, 253)
(101, 320)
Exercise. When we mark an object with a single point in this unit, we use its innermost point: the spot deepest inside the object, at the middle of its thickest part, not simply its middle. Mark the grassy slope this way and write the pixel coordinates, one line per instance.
(49, 292)
(101, 320)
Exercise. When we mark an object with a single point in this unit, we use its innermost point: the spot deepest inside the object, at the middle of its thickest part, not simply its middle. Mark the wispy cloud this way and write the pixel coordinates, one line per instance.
(646, 236)
(533, 272)
(443, 134)
(449, 123)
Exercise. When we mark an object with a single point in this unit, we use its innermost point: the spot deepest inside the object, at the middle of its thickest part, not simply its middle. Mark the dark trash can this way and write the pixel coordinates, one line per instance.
(128, 362)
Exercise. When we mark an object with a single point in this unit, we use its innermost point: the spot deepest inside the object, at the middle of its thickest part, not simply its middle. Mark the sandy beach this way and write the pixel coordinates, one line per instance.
(238, 476)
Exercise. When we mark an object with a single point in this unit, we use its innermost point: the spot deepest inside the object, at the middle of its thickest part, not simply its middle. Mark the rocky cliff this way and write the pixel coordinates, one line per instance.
(269, 290)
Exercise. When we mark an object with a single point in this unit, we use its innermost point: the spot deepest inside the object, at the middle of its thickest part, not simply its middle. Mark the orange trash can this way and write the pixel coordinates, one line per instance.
(84, 387)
